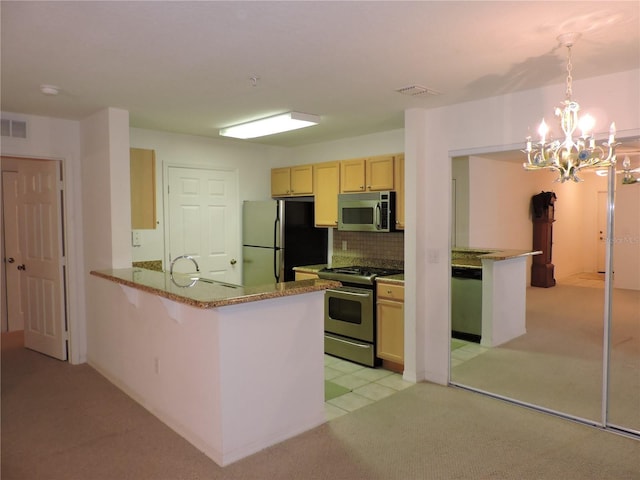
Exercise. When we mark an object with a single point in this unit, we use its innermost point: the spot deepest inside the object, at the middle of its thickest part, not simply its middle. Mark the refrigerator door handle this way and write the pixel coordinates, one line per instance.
(276, 250)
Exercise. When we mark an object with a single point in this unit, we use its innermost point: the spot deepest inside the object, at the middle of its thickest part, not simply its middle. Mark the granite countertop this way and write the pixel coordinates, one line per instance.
(472, 257)
(310, 268)
(397, 279)
(203, 294)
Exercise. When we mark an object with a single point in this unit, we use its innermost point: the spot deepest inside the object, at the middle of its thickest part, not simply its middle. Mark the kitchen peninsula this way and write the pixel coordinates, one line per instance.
(232, 369)
(504, 284)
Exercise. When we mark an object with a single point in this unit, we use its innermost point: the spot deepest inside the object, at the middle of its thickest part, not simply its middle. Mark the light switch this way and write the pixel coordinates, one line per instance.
(136, 239)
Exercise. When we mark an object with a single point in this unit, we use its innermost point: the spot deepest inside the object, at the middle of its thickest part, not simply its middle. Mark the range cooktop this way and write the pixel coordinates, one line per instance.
(356, 274)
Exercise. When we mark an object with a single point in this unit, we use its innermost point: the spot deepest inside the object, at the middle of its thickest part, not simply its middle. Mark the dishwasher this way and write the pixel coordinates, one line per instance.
(466, 303)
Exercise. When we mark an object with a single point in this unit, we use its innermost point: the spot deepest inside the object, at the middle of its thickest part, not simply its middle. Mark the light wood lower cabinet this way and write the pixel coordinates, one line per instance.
(390, 328)
(305, 276)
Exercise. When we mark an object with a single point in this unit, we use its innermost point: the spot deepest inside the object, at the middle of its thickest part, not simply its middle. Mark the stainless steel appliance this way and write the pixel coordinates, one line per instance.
(366, 212)
(278, 235)
(350, 313)
(466, 303)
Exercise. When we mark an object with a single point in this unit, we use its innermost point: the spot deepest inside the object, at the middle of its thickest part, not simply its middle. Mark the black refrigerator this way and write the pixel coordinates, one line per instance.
(278, 235)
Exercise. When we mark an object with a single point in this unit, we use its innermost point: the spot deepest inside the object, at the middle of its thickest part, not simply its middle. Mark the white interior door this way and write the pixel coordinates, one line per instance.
(41, 268)
(12, 315)
(204, 221)
(602, 232)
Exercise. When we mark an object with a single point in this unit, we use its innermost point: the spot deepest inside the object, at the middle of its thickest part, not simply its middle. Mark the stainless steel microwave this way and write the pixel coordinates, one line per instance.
(366, 212)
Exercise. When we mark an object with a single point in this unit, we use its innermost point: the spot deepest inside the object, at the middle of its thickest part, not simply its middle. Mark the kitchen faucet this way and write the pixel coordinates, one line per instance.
(188, 257)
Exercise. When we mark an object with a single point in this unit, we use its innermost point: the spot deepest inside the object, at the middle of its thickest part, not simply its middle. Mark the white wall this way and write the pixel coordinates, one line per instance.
(52, 138)
(107, 206)
(252, 162)
(626, 239)
(499, 204)
(365, 145)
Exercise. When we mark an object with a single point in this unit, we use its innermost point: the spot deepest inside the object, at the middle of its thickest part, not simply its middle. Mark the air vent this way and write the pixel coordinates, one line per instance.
(13, 128)
(416, 90)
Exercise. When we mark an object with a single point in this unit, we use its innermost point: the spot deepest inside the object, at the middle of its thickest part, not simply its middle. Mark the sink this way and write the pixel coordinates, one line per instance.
(186, 280)
(214, 282)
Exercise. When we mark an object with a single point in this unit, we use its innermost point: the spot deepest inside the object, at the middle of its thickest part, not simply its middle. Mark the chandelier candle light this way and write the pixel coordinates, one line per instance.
(570, 156)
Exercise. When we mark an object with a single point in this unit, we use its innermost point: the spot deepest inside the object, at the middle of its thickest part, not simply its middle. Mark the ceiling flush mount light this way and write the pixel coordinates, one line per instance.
(49, 90)
(570, 155)
(271, 125)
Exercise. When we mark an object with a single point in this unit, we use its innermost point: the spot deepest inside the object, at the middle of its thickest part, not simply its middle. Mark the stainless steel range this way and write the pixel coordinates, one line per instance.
(350, 313)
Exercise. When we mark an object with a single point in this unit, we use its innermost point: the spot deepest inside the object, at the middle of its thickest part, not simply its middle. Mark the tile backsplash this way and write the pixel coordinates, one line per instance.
(370, 249)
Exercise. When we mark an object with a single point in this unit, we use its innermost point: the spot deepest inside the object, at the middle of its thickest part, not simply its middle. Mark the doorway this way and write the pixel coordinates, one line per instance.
(33, 267)
(202, 219)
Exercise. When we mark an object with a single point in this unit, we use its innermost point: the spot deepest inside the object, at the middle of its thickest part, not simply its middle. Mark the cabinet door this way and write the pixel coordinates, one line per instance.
(302, 180)
(143, 188)
(379, 173)
(327, 186)
(352, 175)
(280, 181)
(399, 187)
(390, 330)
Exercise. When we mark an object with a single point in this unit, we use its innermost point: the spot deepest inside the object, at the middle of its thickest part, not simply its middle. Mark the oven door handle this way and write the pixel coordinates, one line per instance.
(347, 292)
(360, 345)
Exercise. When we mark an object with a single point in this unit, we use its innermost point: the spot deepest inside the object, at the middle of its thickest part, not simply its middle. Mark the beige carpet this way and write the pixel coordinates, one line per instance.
(67, 422)
(558, 363)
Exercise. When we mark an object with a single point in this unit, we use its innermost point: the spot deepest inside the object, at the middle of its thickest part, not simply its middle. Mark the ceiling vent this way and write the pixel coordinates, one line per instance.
(13, 128)
(416, 91)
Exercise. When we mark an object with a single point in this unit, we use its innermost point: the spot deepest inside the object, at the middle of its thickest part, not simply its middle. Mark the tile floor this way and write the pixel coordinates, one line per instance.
(466, 352)
(368, 385)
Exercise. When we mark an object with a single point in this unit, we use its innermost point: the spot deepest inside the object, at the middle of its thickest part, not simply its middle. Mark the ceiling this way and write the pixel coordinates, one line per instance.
(187, 66)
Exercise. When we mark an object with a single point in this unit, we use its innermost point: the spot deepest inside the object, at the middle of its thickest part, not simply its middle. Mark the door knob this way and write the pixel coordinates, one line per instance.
(22, 267)
(10, 260)
(233, 261)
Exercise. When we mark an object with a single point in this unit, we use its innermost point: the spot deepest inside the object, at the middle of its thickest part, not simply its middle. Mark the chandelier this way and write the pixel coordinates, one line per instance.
(628, 175)
(570, 155)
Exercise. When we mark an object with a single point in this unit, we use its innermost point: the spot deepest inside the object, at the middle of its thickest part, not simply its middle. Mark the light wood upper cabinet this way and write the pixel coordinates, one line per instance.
(367, 174)
(327, 187)
(302, 180)
(379, 173)
(292, 181)
(390, 325)
(143, 188)
(352, 175)
(280, 181)
(399, 184)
